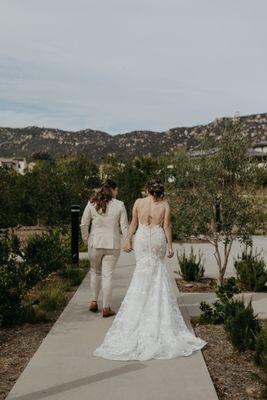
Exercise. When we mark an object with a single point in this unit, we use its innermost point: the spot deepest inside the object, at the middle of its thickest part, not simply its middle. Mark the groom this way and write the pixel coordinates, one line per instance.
(107, 217)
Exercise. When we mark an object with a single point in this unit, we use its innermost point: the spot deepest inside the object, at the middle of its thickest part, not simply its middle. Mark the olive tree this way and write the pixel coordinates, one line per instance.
(213, 194)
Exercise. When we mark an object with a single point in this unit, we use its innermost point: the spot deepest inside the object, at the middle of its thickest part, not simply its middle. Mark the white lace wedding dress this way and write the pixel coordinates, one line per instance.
(149, 323)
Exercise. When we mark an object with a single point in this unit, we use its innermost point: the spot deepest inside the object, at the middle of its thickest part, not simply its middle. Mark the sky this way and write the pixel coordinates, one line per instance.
(124, 65)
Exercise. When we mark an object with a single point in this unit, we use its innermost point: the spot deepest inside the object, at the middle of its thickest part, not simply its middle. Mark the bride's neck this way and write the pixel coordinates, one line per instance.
(150, 196)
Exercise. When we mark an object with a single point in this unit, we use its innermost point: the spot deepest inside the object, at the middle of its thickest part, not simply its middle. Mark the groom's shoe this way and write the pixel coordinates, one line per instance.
(107, 312)
(93, 306)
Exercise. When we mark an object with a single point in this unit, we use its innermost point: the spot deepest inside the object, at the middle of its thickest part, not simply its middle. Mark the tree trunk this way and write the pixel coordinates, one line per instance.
(222, 264)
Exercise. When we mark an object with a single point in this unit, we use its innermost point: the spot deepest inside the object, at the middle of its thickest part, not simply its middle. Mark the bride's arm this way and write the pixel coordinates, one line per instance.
(168, 229)
(132, 228)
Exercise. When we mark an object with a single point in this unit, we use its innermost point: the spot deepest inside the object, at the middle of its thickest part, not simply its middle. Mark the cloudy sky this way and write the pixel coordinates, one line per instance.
(121, 65)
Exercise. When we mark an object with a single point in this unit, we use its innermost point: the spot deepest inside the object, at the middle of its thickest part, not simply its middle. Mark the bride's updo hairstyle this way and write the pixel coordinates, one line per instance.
(156, 188)
(103, 196)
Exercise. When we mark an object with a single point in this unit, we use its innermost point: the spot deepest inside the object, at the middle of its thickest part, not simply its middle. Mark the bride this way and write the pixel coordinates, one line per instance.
(149, 323)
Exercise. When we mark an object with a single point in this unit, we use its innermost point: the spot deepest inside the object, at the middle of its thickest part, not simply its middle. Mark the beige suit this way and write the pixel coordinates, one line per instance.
(104, 244)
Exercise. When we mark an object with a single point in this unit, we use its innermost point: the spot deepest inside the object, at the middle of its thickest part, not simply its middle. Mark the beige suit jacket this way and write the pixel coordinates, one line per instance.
(105, 232)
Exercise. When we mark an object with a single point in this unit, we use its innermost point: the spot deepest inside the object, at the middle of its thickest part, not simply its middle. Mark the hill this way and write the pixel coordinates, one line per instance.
(98, 145)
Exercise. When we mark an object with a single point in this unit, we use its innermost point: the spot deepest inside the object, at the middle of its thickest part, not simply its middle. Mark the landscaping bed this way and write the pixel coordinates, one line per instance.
(231, 370)
(37, 280)
(18, 343)
(24, 232)
(203, 285)
(17, 346)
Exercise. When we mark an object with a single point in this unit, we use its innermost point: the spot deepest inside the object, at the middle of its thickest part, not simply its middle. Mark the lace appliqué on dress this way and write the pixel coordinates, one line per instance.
(149, 323)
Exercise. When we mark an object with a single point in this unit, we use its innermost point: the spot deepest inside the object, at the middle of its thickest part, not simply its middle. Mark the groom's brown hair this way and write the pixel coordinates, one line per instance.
(103, 196)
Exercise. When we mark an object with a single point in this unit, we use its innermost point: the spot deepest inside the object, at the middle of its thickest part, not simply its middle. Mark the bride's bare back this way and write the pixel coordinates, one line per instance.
(151, 212)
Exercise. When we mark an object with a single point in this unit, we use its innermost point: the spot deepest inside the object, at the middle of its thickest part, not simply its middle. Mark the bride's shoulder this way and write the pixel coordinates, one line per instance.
(138, 201)
(166, 203)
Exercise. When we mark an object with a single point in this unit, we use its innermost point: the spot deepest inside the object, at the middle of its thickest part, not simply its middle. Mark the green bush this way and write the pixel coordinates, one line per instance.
(44, 254)
(32, 313)
(239, 320)
(228, 289)
(31, 274)
(191, 268)
(15, 245)
(84, 264)
(215, 313)
(241, 324)
(12, 289)
(12, 286)
(251, 271)
(9, 244)
(52, 297)
(260, 356)
(5, 246)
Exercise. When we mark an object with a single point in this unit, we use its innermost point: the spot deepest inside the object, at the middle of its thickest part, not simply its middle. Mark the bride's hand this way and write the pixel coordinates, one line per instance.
(170, 253)
(128, 247)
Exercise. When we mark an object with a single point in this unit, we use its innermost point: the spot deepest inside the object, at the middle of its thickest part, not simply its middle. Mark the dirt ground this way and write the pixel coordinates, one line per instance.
(230, 370)
(23, 232)
(204, 285)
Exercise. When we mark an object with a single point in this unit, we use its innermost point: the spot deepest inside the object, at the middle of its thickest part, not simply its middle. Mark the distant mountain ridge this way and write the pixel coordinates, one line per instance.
(16, 142)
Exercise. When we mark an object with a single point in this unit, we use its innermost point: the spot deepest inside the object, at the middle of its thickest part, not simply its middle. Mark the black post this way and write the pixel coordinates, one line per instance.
(75, 227)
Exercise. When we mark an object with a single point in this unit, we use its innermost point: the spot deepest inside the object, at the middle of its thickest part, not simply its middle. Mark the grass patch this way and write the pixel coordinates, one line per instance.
(52, 297)
(73, 275)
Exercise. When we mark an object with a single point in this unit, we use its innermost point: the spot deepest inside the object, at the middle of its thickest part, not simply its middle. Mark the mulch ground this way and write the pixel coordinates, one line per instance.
(204, 285)
(24, 232)
(231, 371)
(17, 346)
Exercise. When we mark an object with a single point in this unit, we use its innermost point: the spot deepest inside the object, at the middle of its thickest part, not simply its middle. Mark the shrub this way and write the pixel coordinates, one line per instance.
(9, 244)
(191, 268)
(251, 271)
(12, 285)
(241, 324)
(32, 313)
(260, 356)
(44, 254)
(4, 247)
(41, 256)
(84, 264)
(228, 289)
(31, 274)
(52, 296)
(12, 289)
(15, 244)
(215, 313)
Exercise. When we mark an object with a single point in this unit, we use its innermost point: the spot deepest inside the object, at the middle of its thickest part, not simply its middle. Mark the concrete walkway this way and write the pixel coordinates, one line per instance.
(191, 301)
(63, 367)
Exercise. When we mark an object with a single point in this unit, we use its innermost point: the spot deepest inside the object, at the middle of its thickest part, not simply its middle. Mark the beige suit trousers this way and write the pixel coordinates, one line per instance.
(102, 264)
